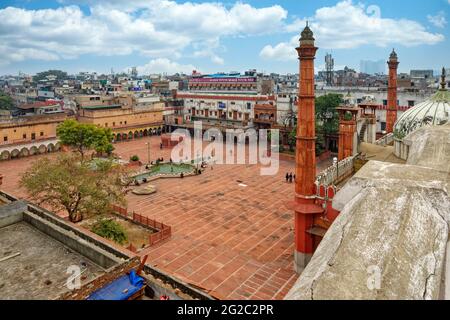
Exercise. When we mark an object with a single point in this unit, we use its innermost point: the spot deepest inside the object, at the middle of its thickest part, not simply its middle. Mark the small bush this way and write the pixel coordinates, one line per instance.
(110, 229)
(134, 158)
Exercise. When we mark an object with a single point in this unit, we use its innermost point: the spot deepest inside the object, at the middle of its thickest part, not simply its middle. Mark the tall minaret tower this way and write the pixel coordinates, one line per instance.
(305, 190)
(391, 114)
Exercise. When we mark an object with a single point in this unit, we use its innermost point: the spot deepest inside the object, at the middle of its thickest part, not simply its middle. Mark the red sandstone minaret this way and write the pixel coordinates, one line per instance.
(305, 190)
(391, 114)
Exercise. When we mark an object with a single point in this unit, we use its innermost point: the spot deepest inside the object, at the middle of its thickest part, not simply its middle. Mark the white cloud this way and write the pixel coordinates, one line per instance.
(348, 25)
(153, 28)
(283, 51)
(163, 65)
(438, 20)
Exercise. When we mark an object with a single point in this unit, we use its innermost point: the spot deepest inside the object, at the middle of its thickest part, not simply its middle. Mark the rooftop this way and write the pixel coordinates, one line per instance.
(232, 235)
(40, 271)
(102, 107)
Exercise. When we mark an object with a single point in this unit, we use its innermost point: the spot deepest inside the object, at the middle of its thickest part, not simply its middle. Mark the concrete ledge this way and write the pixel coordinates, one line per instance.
(11, 213)
(71, 240)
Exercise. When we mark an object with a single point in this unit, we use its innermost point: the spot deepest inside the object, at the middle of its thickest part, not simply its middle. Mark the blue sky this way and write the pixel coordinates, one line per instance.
(173, 36)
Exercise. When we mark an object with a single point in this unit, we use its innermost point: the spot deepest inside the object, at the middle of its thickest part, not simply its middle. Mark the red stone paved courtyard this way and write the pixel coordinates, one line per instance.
(235, 242)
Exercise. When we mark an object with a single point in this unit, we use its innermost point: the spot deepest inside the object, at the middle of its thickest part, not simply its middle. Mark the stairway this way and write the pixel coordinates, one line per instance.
(362, 132)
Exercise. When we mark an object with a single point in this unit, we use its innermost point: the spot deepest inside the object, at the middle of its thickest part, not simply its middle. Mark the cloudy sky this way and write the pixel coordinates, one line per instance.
(179, 36)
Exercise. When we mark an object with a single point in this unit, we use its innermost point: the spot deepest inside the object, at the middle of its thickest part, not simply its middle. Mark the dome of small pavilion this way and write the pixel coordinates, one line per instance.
(432, 112)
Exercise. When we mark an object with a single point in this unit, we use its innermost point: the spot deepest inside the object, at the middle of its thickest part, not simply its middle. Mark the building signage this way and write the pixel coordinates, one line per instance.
(222, 80)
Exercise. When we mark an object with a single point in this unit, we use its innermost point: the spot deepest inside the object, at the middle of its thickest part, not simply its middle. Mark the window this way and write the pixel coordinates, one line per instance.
(233, 103)
(33, 136)
(24, 135)
(114, 124)
(411, 103)
(106, 124)
(383, 126)
(5, 139)
(384, 102)
(42, 133)
(249, 105)
(125, 122)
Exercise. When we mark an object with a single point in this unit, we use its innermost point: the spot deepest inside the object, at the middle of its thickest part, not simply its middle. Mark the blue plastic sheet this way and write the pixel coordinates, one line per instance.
(120, 289)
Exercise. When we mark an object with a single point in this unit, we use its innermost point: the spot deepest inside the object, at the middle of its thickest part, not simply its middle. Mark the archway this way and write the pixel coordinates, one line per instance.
(5, 155)
(50, 147)
(124, 136)
(145, 132)
(33, 150)
(136, 134)
(57, 146)
(42, 149)
(130, 135)
(15, 153)
(24, 152)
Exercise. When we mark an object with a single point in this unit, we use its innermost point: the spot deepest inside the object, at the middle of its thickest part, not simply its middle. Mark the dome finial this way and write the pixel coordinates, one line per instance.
(393, 55)
(307, 35)
(443, 82)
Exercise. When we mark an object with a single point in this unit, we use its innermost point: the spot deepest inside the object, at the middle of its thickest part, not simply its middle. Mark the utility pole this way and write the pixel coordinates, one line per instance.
(148, 148)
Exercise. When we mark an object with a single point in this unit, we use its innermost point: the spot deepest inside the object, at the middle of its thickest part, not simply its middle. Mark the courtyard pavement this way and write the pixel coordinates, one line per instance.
(232, 234)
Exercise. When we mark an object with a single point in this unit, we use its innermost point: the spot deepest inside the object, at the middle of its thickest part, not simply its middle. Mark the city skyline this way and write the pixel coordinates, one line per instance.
(175, 36)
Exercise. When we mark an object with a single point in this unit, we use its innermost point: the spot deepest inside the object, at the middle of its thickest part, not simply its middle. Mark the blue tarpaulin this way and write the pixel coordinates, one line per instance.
(120, 289)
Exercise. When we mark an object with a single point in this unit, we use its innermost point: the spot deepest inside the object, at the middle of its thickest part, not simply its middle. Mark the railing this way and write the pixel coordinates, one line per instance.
(385, 140)
(336, 173)
(163, 231)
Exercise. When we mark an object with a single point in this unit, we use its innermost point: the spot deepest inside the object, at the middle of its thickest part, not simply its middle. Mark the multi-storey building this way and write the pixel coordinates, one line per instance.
(224, 101)
(128, 116)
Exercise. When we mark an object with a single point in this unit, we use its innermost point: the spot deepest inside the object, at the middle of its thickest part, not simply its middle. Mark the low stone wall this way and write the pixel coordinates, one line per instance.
(11, 213)
(385, 140)
(401, 149)
(111, 274)
(335, 174)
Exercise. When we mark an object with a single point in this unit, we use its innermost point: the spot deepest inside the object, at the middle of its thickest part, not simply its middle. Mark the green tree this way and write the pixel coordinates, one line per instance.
(60, 75)
(110, 229)
(6, 102)
(82, 137)
(327, 117)
(292, 139)
(79, 188)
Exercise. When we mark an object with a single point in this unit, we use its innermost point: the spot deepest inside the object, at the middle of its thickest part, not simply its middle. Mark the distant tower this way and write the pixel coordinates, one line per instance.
(329, 67)
(391, 115)
(305, 206)
(134, 72)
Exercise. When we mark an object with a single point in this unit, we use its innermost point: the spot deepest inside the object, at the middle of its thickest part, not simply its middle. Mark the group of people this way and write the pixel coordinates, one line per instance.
(290, 177)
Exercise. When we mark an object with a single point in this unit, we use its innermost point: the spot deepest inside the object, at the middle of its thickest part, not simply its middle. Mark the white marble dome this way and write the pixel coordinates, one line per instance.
(434, 111)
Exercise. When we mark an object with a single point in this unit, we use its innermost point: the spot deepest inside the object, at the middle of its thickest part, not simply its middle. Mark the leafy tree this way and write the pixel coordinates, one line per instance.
(110, 229)
(79, 188)
(6, 102)
(292, 139)
(82, 137)
(60, 75)
(327, 117)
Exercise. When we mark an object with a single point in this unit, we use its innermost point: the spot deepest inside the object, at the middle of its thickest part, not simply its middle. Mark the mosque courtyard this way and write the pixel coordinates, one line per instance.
(232, 235)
